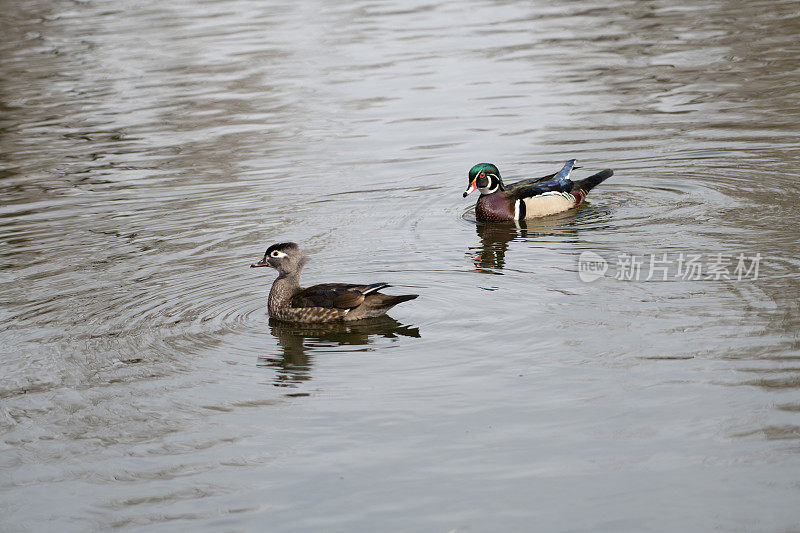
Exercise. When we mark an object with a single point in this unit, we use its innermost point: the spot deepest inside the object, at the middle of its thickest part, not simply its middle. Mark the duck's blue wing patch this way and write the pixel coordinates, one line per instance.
(558, 183)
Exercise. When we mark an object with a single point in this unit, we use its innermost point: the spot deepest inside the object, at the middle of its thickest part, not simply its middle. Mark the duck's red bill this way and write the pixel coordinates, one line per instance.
(470, 189)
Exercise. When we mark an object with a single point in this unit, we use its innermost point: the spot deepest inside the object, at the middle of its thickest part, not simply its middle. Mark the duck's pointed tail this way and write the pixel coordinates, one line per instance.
(376, 303)
(391, 301)
(594, 180)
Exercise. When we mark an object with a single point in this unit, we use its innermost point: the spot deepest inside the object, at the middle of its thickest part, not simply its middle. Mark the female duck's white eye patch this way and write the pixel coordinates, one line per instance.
(276, 253)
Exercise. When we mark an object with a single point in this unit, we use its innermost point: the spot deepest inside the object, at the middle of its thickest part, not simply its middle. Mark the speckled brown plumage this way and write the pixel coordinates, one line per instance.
(327, 302)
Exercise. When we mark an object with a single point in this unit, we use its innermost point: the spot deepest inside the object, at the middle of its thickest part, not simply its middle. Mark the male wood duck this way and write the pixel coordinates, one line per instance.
(529, 198)
(327, 302)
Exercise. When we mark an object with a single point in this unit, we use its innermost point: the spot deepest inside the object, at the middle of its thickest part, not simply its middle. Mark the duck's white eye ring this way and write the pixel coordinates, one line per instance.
(275, 253)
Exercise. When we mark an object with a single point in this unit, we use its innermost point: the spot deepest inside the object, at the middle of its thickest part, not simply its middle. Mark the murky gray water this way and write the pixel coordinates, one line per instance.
(152, 150)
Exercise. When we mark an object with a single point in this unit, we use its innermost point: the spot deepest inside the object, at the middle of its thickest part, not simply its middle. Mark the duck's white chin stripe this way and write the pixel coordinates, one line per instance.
(492, 186)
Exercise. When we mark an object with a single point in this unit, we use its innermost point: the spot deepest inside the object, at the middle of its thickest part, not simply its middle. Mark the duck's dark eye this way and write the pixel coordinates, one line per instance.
(275, 253)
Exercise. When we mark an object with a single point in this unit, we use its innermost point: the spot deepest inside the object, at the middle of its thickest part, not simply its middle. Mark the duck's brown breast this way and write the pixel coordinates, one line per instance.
(494, 207)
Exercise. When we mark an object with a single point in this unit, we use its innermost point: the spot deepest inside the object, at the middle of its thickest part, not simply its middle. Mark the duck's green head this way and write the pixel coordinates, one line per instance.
(485, 177)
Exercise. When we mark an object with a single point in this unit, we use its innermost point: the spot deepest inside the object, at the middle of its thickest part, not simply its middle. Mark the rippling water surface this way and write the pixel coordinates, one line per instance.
(150, 151)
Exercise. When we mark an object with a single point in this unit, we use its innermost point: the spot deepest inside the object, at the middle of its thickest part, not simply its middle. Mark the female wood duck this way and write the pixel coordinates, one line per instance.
(328, 302)
(529, 198)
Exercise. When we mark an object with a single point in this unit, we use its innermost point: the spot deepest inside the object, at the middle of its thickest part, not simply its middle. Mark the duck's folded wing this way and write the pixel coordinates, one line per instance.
(334, 295)
(552, 185)
(558, 182)
(527, 183)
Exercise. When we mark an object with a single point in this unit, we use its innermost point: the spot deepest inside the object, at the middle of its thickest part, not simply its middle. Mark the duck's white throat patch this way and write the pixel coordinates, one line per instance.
(494, 184)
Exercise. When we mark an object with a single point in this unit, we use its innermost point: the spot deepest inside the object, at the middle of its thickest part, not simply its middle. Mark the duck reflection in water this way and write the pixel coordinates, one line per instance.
(490, 255)
(495, 236)
(299, 342)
